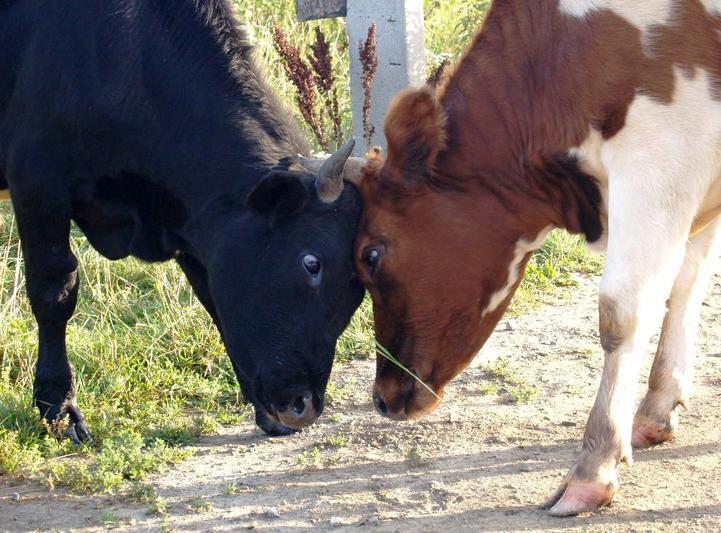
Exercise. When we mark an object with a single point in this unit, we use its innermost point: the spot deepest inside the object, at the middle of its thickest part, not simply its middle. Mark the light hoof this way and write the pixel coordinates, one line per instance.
(647, 432)
(577, 497)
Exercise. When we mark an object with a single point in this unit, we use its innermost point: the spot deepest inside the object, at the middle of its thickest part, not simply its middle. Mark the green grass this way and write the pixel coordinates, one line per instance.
(488, 388)
(552, 268)
(450, 25)
(151, 372)
(149, 365)
(501, 378)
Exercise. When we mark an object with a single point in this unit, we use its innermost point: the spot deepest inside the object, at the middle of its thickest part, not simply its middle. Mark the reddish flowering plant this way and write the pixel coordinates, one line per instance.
(438, 73)
(315, 82)
(369, 61)
(322, 63)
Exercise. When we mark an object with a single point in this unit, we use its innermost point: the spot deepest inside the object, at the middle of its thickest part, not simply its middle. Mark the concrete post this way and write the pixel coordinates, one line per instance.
(320, 9)
(401, 58)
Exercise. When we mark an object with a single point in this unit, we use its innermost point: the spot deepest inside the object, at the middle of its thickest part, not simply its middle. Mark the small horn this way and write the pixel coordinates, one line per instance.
(311, 165)
(352, 172)
(329, 182)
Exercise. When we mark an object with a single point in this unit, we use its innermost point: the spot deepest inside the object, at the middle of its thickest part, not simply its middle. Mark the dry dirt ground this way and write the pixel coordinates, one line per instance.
(482, 464)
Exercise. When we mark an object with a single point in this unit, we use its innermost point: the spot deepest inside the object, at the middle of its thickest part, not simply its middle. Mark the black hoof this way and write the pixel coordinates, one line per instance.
(271, 427)
(78, 433)
(76, 429)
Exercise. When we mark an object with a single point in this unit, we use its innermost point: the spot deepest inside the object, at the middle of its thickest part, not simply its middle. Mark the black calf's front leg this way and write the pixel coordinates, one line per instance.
(51, 270)
(53, 294)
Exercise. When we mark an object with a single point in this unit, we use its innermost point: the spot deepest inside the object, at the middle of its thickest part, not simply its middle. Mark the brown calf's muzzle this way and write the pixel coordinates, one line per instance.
(400, 396)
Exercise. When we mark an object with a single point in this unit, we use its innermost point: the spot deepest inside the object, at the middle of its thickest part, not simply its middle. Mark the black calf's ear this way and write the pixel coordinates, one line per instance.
(279, 195)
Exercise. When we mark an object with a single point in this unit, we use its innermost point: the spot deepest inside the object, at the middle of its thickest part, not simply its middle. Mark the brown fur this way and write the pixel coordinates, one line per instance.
(614, 326)
(483, 164)
(415, 130)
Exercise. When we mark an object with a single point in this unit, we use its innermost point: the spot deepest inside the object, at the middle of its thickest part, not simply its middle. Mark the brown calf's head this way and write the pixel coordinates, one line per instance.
(440, 258)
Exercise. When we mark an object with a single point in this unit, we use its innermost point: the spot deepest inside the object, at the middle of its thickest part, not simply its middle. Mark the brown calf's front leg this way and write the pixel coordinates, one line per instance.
(671, 378)
(592, 482)
(625, 326)
(646, 248)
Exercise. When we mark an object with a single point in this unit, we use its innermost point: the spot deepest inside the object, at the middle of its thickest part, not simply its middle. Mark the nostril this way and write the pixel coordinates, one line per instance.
(300, 404)
(381, 406)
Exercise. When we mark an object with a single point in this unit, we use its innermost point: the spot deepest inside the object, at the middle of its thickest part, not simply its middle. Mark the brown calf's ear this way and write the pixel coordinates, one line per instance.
(415, 130)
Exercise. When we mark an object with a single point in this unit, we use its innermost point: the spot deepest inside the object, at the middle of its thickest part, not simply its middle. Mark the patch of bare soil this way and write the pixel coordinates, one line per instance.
(483, 463)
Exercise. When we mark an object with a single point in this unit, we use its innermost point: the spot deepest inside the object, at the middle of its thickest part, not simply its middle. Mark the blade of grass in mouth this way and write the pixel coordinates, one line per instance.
(385, 353)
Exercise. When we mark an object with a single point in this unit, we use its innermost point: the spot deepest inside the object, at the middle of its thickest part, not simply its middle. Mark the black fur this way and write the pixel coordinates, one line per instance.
(573, 193)
(582, 195)
(148, 123)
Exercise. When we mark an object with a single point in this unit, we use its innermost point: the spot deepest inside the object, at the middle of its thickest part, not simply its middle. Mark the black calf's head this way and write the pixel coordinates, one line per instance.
(283, 282)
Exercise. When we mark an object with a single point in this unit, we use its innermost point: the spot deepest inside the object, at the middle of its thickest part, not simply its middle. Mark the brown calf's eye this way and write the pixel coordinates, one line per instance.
(371, 258)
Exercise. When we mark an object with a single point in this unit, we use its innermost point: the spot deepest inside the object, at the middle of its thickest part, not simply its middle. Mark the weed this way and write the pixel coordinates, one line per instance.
(325, 78)
(207, 425)
(587, 351)
(523, 393)
(488, 388)
(500, 369)
(109, 519)
(335, 393)
(199, 506)
(300, 73)
(158, 506)
(309, 458)
(415, 455)
(508, 381)
(336, 441)
(369, 61)
(233, 488)
(142, 492)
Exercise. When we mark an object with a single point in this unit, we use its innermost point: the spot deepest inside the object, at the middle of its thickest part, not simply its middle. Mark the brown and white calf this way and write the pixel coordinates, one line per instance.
(602, 117)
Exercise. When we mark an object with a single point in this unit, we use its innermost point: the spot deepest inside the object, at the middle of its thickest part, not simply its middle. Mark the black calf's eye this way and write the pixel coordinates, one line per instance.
(311, 264)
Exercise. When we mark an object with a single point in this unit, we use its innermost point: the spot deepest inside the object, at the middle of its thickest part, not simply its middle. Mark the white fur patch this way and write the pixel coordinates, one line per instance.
(640, 13)
(661, 166)
(681, 141)
(523, 248)
(578, 8)
(712, 6)
(670, 138)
